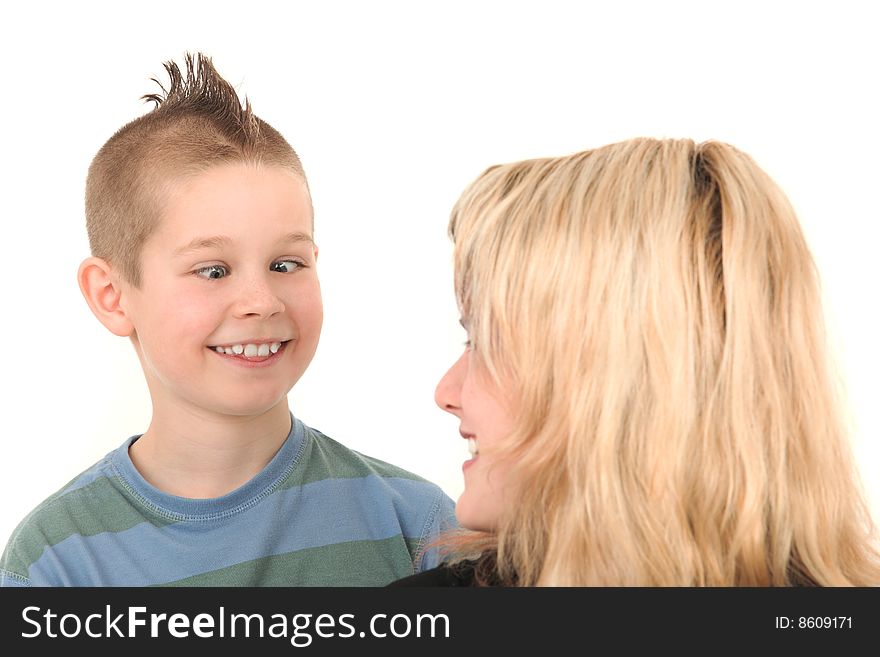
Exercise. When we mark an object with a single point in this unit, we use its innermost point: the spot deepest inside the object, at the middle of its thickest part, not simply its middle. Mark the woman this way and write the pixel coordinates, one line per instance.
(645, 385)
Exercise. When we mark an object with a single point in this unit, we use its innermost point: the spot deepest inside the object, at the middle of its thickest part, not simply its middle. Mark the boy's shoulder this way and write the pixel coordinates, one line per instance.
(63, 514)
(348, 473)
(391, 495)
(327, 457)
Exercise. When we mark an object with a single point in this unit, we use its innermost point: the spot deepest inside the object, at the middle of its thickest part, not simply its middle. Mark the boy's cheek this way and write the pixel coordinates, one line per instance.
(306, 303)
(178, 322)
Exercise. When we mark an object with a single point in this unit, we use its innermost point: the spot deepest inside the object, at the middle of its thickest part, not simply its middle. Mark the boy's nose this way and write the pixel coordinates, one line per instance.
(257, 298)
(447, 395)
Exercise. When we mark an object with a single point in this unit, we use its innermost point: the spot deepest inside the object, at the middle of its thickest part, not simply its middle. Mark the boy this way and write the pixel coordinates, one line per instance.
(200, 225)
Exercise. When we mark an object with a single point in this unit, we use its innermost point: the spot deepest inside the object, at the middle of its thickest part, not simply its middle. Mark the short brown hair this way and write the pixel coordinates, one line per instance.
(197, 122)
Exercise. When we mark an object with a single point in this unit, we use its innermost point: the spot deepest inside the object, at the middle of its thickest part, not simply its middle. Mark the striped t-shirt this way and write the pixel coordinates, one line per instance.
(319, 514)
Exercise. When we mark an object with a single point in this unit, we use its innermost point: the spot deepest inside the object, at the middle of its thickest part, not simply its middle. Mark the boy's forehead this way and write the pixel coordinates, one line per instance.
(216, 184)
(231, 203)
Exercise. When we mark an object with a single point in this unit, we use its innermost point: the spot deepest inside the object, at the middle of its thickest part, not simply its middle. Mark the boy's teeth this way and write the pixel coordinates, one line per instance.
(250, 350)
(473, 448)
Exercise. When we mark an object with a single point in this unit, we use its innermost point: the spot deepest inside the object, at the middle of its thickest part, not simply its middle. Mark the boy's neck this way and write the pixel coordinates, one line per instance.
(203, 456)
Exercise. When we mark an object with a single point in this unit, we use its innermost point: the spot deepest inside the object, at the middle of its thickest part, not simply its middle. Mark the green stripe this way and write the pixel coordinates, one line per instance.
(328, 459)
(357, 563)
(95, 508)
(413, 545)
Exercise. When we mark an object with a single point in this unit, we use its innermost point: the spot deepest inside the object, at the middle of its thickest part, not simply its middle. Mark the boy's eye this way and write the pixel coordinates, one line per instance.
(212, 271)
(286, 266)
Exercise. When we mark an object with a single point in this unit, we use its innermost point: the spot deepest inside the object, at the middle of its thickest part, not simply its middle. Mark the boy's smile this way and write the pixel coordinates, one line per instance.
(229, 312)
(248, 353)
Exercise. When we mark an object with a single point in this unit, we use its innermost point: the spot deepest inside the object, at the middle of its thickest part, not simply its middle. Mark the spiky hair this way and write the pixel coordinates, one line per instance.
(201, 91)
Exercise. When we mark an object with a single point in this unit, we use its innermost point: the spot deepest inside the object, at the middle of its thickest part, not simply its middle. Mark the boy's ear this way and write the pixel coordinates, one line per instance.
(103, 292)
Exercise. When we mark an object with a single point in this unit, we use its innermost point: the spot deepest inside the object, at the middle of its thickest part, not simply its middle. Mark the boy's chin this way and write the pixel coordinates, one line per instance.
(251, 408)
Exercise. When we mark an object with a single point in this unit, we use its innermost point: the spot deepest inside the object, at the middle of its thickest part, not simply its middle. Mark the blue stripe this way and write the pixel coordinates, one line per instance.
(320, 513)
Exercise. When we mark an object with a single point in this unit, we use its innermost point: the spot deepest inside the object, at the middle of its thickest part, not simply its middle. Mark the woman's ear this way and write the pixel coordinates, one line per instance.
(103, 291)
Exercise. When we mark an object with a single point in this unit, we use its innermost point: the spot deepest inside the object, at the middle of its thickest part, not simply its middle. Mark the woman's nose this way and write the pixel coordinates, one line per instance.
(448, 392)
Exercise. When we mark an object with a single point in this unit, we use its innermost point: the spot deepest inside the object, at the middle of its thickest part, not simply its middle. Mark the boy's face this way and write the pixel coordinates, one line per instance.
(231, 269)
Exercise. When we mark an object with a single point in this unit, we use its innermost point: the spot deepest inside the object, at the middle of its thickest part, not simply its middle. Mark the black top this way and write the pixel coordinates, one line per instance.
(459, 574)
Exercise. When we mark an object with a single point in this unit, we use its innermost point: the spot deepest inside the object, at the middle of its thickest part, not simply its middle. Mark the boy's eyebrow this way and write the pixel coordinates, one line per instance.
(203, 243)
(298, 237)
(222, 240)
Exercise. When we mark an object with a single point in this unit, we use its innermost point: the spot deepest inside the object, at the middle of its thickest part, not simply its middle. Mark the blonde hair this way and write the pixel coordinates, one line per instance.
(197, 123)
(654, 310)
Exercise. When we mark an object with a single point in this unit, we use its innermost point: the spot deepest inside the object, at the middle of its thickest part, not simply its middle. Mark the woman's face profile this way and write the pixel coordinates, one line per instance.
(468, 393)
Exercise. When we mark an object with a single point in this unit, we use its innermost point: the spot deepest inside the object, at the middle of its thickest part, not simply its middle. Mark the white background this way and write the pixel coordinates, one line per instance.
(394, 107)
